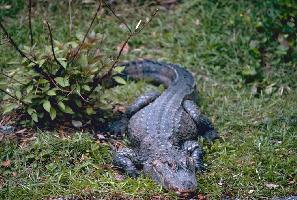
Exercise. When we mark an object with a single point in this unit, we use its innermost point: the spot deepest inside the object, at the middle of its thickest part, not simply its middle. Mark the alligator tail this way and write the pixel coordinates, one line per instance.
(156, 72)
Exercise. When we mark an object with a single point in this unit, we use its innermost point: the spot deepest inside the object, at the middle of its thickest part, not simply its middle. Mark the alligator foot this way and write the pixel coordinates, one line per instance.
(123, 160)
(118, 128)
(196, 152)
(204, 125)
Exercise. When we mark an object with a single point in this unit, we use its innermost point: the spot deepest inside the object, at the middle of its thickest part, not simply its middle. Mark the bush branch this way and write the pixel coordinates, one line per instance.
(119, 18)
(97, 79)
(10, 77)
(86, 34)
(13, 96)
(36, 67)
(52, 44)
(30, 24)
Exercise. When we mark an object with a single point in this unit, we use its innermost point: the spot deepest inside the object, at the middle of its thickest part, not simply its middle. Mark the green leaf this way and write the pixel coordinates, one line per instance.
(118, 69)
(30, 111)
(29, 89)
(18, 94)
(63, 63)
(3, 85)
(61, 105)
(51, 92)
(42, 81)
(31, 64)
(90, 111)
(64, 82)
(41, 62)
(47, 105)
(119, 80)
(78, 102)
(86, 87)
(68, 110)
(9, 107)
(34, 117)
(83, 60)
(28, 99)
(53, 113)
(249, 71)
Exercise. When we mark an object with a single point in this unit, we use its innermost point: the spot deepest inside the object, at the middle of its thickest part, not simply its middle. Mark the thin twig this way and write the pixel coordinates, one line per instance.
(12, 42)
(97, 79)
(70, 16)
(87, 33)
(30, 24)
(10, 77)
(119, 18)
(147, 22)
(12, 96)
(52, 43)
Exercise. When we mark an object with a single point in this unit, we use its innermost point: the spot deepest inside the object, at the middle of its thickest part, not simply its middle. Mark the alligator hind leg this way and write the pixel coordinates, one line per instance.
(196, 152)
(205, 128)
(125, 160)
(119, 127)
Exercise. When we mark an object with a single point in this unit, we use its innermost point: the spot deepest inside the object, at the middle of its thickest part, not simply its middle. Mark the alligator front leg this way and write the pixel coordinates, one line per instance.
(205, 128)
(141, 102)
(196, 153)
(119, 127)
(124, 160)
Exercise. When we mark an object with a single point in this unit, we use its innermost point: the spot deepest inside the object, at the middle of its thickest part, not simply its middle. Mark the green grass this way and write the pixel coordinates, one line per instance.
(215, 41)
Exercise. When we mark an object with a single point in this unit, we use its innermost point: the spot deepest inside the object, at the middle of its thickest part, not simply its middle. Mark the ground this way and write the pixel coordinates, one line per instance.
(257, 118)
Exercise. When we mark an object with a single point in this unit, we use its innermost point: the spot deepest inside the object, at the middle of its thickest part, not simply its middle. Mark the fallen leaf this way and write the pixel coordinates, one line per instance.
(77, 124)
(5, 7)
(101, 137)
(291, 182)
(119, 108)
(221, 182)
(6, 163)
(125, 49)
(271, 185)
(201, 197)
(119, 177)
(197, 22)
(251, 191)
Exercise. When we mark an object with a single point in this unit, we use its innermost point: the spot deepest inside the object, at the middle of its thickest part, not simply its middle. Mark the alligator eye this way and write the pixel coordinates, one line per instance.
(189, 162)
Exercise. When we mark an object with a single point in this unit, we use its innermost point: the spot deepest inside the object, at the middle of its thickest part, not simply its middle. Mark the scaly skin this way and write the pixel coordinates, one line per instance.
(163, 129)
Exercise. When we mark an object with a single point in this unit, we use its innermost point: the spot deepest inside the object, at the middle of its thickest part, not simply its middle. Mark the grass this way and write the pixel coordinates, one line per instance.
(213, 39)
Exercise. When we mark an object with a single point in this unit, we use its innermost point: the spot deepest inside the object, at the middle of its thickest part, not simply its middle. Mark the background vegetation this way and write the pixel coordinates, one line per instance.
(243, 55)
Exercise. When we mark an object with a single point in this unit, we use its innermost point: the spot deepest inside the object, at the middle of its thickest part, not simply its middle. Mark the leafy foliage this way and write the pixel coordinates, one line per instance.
(278, 22)
(64, 93)
(10, 7)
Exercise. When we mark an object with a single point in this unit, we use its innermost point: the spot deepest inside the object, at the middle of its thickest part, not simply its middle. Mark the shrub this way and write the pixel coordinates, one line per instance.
(10, 8)
(61, 81)
(278, 22)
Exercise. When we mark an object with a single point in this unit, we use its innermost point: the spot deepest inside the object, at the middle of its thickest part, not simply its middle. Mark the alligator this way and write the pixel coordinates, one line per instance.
(162, 129)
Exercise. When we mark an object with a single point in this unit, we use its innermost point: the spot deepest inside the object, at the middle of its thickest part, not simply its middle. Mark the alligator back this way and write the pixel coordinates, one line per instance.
(160, 119)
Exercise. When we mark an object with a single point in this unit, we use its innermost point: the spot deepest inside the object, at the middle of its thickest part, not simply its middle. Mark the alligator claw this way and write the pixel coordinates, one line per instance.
(200, 168)
(118, 128)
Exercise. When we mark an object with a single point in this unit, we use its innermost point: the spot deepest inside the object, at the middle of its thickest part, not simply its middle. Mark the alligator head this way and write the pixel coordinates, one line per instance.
(174, 173)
